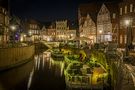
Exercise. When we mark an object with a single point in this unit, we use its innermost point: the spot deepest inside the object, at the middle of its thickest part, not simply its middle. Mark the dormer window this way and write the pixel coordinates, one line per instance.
(131, 7)
(125, 9)
(120, 11)
(114, 15)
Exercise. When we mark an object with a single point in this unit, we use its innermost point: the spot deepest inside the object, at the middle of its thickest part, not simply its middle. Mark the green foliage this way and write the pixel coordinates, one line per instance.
(83, 54)
(99, 57)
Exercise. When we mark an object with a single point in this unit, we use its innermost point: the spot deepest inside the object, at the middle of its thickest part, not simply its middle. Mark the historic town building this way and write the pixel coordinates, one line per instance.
(59, 31)
(127, 22)
(43, 33)
(4, 26)
(104, 25)
(88, 29)
(61, 28)
(63, 32)
(104, 21)
(33, 30)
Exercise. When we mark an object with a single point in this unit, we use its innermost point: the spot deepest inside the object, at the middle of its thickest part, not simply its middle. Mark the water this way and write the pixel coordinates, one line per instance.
(41, 73)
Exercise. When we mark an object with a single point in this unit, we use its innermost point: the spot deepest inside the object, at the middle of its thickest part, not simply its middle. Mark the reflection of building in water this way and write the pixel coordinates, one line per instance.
(9, 79)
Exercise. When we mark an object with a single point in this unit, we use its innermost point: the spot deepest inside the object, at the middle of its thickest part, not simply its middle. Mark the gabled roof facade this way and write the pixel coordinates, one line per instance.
(93, 9)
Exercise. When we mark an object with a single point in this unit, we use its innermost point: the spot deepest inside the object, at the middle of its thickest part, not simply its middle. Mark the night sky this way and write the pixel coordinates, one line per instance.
(48, 10)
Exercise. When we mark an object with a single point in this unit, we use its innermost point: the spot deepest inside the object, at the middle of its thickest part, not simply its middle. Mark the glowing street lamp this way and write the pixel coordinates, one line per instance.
(13, 29)
(24, 35)
(30, 33)
(127, 23)
(100, 32)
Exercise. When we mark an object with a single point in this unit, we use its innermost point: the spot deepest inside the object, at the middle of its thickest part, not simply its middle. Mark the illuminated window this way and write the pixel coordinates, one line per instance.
(114, 15)
(3, 10)
(125, 9)
(131, 7)
(120, 39)
(120, 11)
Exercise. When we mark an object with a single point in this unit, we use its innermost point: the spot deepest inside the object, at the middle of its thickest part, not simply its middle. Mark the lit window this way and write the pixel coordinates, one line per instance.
(120, 11)
(125, 9)
(114, 15)
(3, 10)
(131, 7)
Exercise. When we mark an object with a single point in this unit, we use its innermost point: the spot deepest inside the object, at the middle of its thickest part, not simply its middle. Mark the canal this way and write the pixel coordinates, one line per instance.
(38, 74)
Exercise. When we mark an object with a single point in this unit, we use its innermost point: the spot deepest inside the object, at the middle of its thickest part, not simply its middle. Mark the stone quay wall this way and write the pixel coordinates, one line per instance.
(10, 57)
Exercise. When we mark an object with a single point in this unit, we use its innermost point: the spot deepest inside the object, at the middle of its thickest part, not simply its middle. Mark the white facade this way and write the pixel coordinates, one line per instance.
(104, 25)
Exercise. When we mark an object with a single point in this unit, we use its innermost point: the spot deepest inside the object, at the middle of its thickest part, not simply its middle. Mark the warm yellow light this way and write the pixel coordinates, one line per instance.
(13, 27)
(100, 31)
(30, 33)
(127, 22)
(21, 39)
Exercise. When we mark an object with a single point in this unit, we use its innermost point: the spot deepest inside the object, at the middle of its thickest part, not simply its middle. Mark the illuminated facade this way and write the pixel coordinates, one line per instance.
(70, 34)
(4, 23)
(88, 29)
(51, 34)
(103, 19)
(59, 31)
(61, 28)
(104, 25)
(44, 33)
(33, 30)
(127, 12)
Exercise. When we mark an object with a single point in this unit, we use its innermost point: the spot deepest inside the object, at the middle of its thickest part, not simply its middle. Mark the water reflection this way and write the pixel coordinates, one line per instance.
(42, 73)
(45, 61)
(30, 79)
(13, 79)
(48, 74)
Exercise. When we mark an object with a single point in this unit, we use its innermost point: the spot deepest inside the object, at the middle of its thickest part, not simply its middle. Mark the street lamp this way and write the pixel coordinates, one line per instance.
(127, 23)
(100, 32)
(13, 29)
(24, 37)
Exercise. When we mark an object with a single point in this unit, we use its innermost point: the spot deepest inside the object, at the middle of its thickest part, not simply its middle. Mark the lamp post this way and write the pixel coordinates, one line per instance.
(24, 37)
(13, 29)
(127, 23)
(100, 32)
(30, 35)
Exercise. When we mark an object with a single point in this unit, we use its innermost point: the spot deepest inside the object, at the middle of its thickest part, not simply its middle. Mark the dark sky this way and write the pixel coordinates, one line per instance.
(47, 10)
